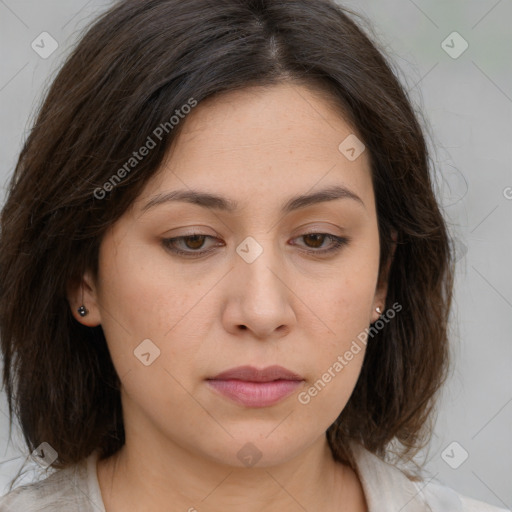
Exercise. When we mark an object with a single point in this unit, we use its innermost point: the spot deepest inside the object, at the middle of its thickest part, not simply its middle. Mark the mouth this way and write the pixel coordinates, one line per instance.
(251, 387)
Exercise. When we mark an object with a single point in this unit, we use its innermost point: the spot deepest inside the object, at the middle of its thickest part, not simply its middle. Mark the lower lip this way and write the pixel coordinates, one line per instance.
(255, 394)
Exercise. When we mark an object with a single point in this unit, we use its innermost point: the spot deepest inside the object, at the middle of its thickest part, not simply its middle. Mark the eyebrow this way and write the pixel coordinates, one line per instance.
(216, 202)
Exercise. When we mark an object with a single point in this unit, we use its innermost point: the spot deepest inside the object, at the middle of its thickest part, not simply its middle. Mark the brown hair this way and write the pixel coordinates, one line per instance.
(135, 66)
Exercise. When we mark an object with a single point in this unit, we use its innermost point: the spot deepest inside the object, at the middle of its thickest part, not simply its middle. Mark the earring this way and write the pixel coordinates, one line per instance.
(82, 311)
(378, 310)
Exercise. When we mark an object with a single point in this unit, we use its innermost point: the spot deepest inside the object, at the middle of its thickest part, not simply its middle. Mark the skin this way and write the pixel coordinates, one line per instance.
(258, 146)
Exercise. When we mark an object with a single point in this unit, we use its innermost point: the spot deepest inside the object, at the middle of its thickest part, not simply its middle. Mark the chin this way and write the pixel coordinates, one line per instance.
(258, 450)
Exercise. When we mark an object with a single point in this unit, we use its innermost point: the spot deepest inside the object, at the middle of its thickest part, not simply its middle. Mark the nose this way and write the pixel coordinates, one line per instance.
(260, 297)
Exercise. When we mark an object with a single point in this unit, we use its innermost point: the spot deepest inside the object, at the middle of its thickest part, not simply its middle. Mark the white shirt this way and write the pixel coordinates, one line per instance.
(386, 488)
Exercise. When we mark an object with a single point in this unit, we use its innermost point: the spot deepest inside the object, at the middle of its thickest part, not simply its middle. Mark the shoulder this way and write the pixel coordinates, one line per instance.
(440, 498)
(388, 489)
(65, 490)
(51, 494)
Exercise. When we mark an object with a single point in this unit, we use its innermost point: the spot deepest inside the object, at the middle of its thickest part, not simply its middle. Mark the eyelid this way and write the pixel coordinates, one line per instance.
(338, 242)
(167, 241)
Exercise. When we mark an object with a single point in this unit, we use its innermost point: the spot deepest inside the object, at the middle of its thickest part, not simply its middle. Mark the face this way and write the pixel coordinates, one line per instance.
(190, 288)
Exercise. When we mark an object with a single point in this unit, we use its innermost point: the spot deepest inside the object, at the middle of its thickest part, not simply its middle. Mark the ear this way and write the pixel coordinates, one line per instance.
(382, 286)
(83, 292)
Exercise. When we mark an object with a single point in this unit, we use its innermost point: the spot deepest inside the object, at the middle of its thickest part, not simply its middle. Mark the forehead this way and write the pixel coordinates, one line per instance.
(261, 143)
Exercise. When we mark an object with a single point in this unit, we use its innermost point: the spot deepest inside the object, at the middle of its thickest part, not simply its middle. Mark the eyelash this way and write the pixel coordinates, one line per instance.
(338, 243)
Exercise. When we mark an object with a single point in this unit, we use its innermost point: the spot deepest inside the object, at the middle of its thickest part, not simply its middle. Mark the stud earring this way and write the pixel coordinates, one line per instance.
(82, 311)
(378, 310)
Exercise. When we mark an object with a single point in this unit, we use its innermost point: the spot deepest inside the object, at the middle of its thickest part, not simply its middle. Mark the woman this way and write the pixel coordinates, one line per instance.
(225, 279)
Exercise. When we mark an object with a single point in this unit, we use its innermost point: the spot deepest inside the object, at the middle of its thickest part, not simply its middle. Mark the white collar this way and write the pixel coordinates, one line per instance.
(386, 488)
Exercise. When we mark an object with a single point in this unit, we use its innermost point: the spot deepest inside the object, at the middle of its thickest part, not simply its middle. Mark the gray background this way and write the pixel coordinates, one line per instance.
(467, 106)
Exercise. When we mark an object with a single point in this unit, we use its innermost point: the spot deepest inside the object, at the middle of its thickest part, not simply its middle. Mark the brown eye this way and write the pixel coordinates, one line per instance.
(188, 245)
(317, 239)
(195, 241)
(314, 241)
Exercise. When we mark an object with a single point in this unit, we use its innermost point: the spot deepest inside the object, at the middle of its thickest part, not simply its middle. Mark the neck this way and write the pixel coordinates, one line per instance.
(139, 477)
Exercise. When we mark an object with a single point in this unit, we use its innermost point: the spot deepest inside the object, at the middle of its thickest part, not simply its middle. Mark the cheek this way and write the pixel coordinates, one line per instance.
(336, 358)
(345, 301)
(147, 294)
(343, 306)
(141, 299)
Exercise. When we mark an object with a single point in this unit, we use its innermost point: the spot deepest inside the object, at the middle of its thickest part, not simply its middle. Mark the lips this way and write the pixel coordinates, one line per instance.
(251, 374)
(252, 387)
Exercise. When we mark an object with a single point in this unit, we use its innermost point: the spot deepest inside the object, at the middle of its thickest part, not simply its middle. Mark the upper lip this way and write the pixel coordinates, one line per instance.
(252, 374)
